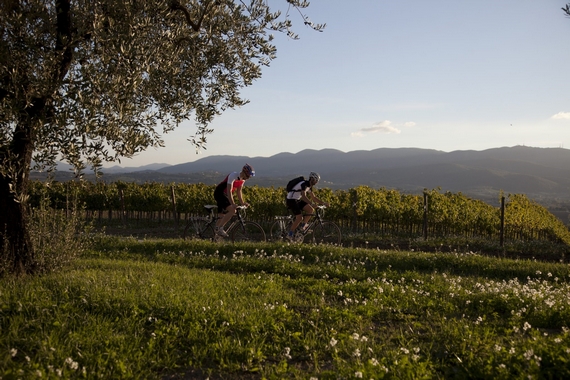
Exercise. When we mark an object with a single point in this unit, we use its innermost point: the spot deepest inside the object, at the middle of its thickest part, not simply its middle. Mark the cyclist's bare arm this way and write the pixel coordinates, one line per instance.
(230, 193)
(317, 200)
(240, 197)
(304, 196)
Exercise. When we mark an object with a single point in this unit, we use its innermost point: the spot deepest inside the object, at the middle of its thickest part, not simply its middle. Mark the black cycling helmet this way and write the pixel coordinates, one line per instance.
(248, 169)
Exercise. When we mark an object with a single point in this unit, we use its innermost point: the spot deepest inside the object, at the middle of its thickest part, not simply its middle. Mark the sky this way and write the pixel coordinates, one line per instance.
(439, 74)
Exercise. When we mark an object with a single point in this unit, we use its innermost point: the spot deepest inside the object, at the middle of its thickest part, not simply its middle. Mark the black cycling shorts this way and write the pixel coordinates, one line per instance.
(221, 199)
(296, 206)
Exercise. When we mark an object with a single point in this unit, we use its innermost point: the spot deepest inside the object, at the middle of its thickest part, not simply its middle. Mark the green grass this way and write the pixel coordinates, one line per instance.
(133, 309)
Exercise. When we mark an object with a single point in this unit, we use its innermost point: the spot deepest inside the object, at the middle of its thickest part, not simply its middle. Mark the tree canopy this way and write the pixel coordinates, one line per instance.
(104, 79)
(87, 81)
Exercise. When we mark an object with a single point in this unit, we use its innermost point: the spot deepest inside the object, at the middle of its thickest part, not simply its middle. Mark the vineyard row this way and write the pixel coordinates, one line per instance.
(361, 209)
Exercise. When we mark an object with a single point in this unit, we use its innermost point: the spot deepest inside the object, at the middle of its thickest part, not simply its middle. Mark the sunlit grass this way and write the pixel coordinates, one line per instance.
(153, 308)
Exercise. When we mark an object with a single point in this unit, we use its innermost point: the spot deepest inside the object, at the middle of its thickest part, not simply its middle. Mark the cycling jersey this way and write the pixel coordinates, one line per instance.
(234, 180)
(298, 189)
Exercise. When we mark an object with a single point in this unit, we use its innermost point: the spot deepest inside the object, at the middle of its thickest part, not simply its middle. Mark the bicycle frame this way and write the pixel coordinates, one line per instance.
(213, 216)
(317, 219)
(238, 217)
(204, 227)
(200, 224)
(286, 221)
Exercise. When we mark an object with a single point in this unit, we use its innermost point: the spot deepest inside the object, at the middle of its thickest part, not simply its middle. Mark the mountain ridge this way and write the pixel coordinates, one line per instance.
(540, 173)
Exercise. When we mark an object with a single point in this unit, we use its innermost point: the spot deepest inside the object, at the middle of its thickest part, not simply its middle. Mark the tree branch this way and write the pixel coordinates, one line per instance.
(176, 6)
(63, 42)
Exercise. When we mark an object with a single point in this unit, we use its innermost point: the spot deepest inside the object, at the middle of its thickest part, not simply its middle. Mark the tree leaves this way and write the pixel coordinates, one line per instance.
(114, 75)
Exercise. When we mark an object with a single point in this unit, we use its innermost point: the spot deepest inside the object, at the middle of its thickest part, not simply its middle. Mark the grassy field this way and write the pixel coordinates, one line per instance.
(169, 309)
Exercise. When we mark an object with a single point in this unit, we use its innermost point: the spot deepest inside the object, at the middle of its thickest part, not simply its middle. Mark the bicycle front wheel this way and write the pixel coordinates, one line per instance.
(248, 231)
(199, 228)
(326, 233)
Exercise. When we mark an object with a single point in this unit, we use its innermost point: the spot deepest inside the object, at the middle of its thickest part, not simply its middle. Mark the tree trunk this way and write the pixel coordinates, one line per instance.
(35, 110)
(15, 242)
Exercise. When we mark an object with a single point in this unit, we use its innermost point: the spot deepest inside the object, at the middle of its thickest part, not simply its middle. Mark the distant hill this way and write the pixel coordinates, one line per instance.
(543, 174)
(63, 167)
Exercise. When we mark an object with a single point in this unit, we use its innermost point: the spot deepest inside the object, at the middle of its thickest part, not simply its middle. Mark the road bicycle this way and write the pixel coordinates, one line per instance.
(203, 227)
(319, 231)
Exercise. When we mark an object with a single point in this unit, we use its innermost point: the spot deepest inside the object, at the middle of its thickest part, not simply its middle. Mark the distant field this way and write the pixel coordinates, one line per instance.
(169, 309)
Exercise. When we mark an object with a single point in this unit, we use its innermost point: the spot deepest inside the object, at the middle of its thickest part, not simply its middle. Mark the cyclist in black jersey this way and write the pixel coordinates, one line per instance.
(301, 200)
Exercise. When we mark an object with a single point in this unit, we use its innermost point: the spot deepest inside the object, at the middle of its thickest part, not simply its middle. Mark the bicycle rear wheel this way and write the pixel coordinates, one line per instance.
(278, 230)
(248, 231)
(325, 233)
(199, 228)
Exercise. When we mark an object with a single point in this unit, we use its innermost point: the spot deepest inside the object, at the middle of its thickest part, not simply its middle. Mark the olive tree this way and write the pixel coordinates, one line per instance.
(91, 81)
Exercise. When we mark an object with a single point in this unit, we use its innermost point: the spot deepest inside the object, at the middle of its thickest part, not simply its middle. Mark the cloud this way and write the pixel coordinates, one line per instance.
(385, 126)
(382, 127)
(561, 116)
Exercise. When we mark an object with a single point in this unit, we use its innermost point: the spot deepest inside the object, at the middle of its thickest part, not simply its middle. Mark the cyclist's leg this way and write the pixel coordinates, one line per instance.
(308, 211)
(296, 208)
(225, 217)
(225, 210)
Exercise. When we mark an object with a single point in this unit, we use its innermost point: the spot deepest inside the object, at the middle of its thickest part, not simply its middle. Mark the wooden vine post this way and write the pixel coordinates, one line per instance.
(173, 199)
(123, 213)
(502, 225)
(425, 226)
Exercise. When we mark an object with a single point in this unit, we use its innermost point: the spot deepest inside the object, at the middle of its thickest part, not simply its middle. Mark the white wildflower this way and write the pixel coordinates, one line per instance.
(72, 364)
(526, 326)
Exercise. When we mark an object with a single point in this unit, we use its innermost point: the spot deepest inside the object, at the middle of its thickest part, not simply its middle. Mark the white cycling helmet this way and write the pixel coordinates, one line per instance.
(315, 176)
